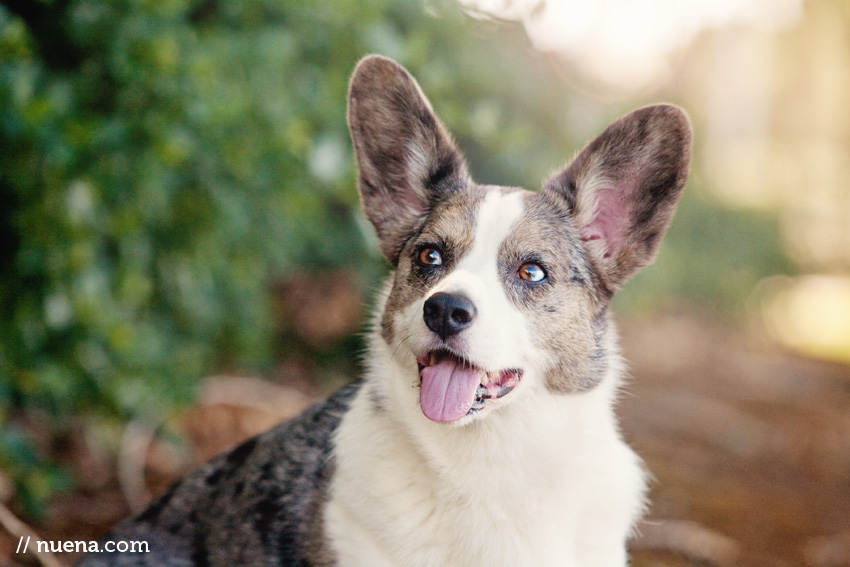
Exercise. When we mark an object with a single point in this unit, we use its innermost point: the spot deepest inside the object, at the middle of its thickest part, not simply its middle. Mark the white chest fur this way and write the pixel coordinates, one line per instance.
(546, 481)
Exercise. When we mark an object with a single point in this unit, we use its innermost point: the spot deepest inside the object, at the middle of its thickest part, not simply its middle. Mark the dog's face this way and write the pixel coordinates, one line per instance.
(497, 290)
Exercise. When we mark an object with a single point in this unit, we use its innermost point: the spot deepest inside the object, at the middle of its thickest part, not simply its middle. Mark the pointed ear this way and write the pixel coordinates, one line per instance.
(406, 158)
(623, 188)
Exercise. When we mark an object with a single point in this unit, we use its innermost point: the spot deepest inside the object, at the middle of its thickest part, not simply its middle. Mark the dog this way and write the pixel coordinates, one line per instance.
(484, 432)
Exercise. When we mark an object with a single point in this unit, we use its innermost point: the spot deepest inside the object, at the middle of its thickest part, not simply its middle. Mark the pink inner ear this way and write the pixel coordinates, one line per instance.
(610, 221)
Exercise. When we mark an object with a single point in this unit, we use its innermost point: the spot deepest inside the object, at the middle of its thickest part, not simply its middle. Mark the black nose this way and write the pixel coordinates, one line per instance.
(448, 314)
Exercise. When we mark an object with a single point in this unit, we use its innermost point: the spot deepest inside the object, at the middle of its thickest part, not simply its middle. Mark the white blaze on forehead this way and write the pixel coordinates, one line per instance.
(496, 217)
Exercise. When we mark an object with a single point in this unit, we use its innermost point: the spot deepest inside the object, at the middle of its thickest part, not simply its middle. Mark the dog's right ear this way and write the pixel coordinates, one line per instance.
(406, 158)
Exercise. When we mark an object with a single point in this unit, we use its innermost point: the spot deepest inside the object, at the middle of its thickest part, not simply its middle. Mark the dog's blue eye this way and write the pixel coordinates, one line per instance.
(531, 272)
(430, 257)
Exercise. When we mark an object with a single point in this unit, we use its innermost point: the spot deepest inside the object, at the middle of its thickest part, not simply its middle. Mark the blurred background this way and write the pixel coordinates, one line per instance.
(183, 261)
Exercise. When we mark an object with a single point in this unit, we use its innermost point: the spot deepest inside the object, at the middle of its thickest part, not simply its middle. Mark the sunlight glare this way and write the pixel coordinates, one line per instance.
(626, 42)
(810, 314)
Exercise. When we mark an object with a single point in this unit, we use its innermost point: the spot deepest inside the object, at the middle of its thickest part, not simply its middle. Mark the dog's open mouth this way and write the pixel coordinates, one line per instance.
(452, 387)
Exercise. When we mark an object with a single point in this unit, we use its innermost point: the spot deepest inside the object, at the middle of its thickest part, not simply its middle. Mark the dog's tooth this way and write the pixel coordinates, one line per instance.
(433, 357)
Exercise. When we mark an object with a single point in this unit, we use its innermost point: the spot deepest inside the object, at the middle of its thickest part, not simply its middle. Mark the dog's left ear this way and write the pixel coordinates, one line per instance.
(406, 158)
(623, 187)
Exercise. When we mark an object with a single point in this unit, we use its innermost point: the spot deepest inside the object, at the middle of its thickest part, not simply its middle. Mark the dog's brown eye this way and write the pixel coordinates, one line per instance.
(532, 272)
(430, 257)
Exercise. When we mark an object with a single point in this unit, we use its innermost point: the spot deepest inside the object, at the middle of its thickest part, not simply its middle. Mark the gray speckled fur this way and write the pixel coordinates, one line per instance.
(258, 504)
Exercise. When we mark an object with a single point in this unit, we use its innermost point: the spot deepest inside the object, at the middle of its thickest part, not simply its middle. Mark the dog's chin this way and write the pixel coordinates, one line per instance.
(455, 390)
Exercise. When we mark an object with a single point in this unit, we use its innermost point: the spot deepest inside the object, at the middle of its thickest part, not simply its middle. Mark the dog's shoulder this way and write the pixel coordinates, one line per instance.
(258, 502)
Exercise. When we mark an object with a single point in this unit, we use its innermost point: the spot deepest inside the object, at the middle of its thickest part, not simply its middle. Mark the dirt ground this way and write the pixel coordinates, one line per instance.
(749, 448)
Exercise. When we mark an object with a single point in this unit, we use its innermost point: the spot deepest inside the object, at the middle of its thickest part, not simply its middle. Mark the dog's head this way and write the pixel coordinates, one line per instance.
(498, 290)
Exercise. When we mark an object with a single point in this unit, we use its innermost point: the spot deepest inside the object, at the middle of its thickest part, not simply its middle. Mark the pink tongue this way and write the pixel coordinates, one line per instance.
(448, 390)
